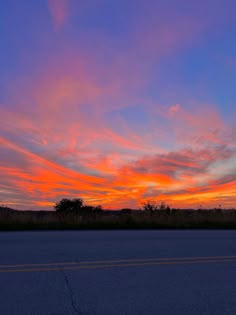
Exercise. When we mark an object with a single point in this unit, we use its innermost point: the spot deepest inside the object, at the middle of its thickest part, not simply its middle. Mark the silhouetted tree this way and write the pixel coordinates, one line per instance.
(76, 206)
(69, 205)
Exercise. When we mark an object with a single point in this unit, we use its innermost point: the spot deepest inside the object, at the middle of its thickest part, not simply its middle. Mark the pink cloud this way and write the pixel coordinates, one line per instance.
(59, 10)
(174, 109)
(197, 122)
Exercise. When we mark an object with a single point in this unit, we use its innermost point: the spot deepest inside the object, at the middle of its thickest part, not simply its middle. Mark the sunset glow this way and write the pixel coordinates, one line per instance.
(117, 102)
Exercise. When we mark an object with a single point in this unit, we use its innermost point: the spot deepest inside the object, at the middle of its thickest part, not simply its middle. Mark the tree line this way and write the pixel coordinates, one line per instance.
(77, 206)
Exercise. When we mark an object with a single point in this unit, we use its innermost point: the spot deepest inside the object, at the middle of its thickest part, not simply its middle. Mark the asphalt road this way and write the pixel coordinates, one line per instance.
(118, 272)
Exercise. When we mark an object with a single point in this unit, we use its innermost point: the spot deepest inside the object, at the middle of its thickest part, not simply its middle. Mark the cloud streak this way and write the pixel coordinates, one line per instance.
(59, 10)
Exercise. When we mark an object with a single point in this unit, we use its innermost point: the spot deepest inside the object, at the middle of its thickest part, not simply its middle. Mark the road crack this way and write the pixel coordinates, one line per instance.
(71, 294)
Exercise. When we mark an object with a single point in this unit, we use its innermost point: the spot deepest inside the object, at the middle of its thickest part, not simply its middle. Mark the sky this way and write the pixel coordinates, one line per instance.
(118, 102)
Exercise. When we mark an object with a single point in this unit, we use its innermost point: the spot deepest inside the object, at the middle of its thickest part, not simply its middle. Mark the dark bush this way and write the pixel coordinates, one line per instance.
(98, 209)
(125, 211)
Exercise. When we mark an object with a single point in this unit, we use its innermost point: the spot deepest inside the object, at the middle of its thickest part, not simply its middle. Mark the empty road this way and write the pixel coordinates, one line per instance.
(118, 272)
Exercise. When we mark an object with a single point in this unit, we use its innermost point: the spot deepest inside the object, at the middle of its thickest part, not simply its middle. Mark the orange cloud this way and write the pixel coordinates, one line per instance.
(65, 156)
(169, 178)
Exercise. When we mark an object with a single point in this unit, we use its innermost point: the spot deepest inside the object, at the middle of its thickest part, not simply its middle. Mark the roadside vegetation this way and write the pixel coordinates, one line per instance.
(74, 214)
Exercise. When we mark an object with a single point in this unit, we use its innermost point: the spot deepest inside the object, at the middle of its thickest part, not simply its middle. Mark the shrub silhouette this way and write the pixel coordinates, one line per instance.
(152, 206)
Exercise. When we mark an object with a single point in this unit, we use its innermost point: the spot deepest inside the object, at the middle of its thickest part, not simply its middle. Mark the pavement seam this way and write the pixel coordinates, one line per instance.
(71, 293)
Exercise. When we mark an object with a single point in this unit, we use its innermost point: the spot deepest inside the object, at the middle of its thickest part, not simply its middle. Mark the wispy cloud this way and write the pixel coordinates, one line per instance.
(59, 10)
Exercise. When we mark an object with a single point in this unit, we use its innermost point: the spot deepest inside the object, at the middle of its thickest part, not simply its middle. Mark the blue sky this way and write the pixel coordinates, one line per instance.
(114, 101)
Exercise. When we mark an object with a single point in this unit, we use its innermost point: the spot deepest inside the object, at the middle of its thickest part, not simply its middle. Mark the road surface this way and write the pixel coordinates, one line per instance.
(118, 272)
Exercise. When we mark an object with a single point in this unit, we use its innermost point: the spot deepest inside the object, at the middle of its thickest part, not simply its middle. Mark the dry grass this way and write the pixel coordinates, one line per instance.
(49, 220)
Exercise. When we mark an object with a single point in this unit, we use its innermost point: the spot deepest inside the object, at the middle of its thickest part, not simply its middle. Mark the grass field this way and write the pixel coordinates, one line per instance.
(134, 219)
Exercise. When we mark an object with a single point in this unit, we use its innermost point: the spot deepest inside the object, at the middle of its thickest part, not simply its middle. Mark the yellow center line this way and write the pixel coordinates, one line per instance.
(43, 264)
(199, 261)
(117, 261)
(155, 259)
